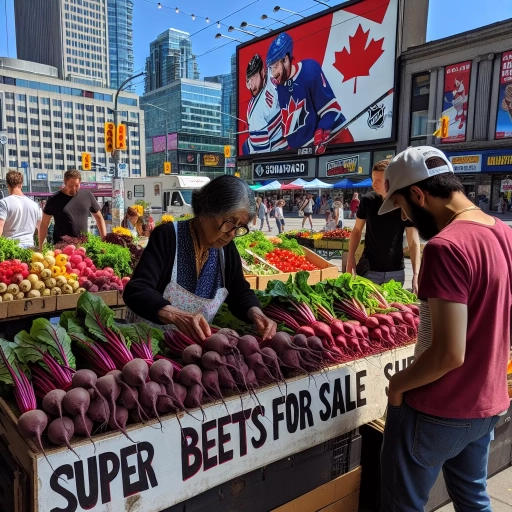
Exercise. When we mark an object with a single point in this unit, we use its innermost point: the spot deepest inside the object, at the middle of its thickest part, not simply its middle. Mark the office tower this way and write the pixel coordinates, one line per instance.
(120, 41)
(170, 59)
(70, 35)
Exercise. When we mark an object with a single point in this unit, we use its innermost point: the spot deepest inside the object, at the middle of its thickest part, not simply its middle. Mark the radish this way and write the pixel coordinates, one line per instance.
(69, 250)
(81, 251)
(81, 267)
(60, 432)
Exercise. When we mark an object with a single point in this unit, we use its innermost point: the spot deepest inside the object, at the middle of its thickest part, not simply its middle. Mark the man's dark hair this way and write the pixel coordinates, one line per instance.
(440, 185)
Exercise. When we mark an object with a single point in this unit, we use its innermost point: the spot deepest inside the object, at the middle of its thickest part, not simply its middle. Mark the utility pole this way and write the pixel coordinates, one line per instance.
(117, 182)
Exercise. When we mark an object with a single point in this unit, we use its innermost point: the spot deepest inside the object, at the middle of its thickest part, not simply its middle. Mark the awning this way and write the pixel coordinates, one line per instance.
(363, 184)
(256, 186)
(291, 186)
(345, 184)
(275, 185)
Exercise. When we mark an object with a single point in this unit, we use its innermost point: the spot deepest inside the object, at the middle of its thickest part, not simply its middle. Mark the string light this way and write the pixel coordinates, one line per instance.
(177, 10)
(159, 5)
(218, 24)
(193, 17)
(207, 19)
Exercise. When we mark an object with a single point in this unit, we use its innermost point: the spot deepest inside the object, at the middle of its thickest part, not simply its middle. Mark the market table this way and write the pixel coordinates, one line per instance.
(160, 470)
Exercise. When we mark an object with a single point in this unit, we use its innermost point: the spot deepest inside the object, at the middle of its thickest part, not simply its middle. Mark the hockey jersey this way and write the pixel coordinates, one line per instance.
(264, 120)
(308, 104)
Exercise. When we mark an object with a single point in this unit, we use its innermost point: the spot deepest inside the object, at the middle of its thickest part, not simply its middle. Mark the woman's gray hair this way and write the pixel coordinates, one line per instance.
(222, 196)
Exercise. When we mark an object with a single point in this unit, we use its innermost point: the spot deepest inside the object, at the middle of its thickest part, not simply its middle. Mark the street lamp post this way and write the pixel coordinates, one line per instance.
(218, 36)
(277, 9)
(245, 24)
(117, 182)
(265, 17)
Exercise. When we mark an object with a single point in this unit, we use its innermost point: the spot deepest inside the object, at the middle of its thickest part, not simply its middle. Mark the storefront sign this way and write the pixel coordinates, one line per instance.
(160, 469)
(504, 114)
(342, 166)
(499, 160)
(506, 186)
(211, 160)
(466, 163)
(42, 176)
(288, 169)
(456, 94)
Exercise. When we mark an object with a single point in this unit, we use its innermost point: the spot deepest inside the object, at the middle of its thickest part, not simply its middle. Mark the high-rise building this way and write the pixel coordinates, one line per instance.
(228, 83)
(50, 122)
(120, 41)
(170, 58)
(70, 35)
(189, 112)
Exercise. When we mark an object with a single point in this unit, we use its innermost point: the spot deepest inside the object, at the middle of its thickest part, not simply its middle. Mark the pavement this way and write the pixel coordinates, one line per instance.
(499, 486)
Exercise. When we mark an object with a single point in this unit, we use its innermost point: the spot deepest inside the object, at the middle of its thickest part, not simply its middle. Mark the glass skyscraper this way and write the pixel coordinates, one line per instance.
(170, 59)
(120, 41)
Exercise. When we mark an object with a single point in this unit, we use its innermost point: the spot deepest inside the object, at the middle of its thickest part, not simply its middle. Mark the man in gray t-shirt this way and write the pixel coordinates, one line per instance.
(20, 216)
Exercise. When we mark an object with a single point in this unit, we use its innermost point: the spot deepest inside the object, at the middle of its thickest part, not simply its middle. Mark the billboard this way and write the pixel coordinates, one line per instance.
(344, 166)
(504, 117)
(324, 82)
(455, 105)
(159, 143)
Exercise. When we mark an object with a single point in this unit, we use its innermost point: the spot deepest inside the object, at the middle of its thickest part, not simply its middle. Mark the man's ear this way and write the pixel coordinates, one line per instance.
(417, 196)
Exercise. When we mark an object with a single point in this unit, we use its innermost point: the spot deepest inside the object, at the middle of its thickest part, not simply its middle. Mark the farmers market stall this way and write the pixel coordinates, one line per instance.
(100, 415)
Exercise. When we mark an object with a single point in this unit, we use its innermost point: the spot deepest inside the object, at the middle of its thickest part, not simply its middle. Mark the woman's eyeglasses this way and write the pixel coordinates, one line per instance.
(228, 227)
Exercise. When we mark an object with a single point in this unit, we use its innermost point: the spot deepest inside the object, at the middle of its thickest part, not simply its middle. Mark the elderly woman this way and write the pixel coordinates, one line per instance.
(190, 268)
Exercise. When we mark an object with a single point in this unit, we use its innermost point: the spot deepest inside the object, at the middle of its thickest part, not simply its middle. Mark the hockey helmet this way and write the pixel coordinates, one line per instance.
(255, 66)
(281, 46)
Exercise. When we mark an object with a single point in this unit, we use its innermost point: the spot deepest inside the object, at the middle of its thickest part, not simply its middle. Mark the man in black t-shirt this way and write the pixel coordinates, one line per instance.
(70, 209)
(383, 256)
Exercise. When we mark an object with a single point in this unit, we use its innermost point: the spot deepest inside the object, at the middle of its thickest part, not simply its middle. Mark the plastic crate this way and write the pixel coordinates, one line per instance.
(281, 481)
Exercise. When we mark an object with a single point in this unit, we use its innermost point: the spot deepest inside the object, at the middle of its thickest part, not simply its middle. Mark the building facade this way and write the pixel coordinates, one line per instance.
(228, 83)
(70, 35)
(170, 59)
(189, 112)
(49, 123)
(466, 78)
(120, 41)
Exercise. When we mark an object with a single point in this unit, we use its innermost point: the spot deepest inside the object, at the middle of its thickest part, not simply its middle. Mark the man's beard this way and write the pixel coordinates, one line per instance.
(423, 221)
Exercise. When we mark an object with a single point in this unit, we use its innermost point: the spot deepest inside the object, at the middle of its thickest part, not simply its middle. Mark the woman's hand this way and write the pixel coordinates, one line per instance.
(266, 327)
(194, 326)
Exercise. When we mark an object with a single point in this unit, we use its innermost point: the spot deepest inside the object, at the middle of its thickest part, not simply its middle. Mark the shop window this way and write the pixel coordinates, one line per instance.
(420, 96)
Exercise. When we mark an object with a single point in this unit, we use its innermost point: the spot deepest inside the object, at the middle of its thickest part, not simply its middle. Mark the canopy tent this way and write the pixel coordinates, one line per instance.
(275, 185)
(316, 184)
(291, 186)
(364, 184)
(256, 186)
(299, 182)
(345, 183)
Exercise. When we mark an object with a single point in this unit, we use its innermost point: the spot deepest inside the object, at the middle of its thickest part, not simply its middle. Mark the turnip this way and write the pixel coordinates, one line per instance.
(135, 372)
(52, 402)
(60, 432)
(192, 354)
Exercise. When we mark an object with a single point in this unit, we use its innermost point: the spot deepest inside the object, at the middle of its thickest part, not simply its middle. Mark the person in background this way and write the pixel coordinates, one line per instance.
(106, 211)
(279, 216)
(133, 222)
(70, 208)
(328, 207)
(383, 256)
(443, 408)
(307, 208)
(262, 213)
(19, 215)
(354, 205)
(337, 213)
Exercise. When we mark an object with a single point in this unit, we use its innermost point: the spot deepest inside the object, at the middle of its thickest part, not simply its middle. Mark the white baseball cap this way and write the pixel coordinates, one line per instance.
(412, 166)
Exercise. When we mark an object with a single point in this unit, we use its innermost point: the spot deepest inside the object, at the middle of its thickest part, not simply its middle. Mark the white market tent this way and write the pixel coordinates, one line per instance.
(299, 182)
(275, 185)
(316, 184)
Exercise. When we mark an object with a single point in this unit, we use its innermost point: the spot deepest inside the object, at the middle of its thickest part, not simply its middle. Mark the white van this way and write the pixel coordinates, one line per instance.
(166, 193)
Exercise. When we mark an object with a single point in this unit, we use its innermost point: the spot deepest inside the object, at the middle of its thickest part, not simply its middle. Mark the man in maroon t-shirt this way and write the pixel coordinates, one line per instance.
(443, 408)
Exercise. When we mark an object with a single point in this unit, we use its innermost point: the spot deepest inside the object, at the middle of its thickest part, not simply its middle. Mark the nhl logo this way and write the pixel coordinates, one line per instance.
(259, 170)
(376, 116)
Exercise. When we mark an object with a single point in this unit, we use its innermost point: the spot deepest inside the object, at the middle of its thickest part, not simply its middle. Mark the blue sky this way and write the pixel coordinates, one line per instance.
(445, 18)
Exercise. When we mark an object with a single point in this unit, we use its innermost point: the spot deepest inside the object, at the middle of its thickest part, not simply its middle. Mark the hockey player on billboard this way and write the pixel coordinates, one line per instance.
(310, 111)
(263, 111)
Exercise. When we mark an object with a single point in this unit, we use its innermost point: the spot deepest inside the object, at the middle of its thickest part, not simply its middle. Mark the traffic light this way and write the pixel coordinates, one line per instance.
(86, 162)
(167, 167)
(110, 133)
(443, 129)
(227, 151)
(121, 137)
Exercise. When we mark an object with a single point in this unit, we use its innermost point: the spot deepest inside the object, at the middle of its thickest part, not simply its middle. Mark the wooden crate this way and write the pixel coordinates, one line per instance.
(30, 307)
(253, 281)
(327, 270)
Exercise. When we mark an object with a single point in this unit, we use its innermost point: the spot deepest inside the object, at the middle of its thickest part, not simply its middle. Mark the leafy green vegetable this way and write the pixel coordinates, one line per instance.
(142, 333)
(99, 318)
(292, 245)
(395, 292)
(57, 340)
(257, 242)
(104, 255)
(225, 318)
(9, 353)
(10, 250)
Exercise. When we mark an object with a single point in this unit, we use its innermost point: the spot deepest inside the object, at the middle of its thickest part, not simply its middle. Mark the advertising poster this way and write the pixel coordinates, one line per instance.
(159, 143)
(325, 82)
(456, 93)
(504, 118)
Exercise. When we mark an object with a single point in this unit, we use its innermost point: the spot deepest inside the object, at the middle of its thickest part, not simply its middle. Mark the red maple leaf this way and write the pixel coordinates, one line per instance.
(361, 58)
(288, 114)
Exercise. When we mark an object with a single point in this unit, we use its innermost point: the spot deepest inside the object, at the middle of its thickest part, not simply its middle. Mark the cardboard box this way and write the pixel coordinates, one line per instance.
(348, 504)
(27, 307)
(328, 494)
